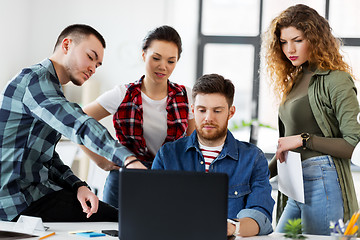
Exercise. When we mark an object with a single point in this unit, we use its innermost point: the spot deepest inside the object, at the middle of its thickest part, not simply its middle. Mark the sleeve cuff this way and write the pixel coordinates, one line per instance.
(78, 184)
(261, 219)
(121, 153)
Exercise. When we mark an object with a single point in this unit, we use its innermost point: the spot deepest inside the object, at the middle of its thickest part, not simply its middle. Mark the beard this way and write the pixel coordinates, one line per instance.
(218, 132)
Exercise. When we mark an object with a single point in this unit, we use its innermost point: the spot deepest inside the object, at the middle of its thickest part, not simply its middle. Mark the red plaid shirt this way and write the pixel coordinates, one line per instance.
(128, 120)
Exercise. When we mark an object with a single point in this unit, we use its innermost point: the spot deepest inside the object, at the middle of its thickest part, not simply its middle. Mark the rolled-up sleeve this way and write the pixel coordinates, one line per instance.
(262, 220)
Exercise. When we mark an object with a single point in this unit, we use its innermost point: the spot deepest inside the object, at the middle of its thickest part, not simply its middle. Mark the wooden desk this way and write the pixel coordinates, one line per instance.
(62, 231)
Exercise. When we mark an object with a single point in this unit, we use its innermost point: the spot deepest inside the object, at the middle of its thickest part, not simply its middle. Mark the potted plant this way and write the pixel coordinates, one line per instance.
(293, 229)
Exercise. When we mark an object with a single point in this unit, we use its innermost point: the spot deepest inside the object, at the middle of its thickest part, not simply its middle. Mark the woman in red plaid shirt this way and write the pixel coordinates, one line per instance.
(148, 112)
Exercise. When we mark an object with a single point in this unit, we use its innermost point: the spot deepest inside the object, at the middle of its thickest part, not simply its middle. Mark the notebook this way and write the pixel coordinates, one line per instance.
(176, 205)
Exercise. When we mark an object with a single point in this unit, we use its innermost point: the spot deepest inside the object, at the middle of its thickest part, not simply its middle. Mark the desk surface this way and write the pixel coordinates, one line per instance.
(62, 231)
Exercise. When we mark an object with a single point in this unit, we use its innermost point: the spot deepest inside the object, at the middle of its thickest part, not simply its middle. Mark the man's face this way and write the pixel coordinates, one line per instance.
(82, 58)
(212, 113)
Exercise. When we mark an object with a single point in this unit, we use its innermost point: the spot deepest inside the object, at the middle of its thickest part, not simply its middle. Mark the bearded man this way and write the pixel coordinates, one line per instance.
(212, 148)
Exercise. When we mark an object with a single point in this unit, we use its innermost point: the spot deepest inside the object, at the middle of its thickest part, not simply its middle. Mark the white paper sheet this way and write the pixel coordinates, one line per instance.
(355, 157)
(29, 224)
(290, 177)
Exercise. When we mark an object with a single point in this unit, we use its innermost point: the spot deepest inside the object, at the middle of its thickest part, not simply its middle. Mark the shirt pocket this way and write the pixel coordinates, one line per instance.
(237, 191)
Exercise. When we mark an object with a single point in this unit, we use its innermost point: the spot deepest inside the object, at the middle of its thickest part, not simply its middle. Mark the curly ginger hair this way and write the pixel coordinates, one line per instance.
(324, 48)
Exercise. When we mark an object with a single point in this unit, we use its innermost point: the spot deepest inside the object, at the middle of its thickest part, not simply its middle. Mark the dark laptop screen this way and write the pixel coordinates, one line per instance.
(172, 205)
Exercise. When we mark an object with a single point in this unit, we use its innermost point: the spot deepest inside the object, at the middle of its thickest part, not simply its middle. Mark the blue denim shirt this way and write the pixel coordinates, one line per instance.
(245, 164)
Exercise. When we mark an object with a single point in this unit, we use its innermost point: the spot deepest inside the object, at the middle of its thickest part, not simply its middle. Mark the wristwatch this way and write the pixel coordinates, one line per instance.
(305, 137)
(237, 225)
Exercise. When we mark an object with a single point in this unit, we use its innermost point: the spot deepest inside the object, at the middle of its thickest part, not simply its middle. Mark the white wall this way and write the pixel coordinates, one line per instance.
(13, 39)
(29, 29)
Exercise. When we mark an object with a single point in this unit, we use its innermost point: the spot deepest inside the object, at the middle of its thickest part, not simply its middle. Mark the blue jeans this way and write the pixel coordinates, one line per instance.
(111, 189)
(323, 198)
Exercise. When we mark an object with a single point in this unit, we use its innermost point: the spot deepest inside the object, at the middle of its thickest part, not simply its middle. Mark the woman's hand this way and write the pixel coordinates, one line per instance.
(107, 165)
(286, 144)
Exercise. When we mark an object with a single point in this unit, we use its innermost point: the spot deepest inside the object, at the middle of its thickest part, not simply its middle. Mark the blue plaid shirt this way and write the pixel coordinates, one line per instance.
(33, 114)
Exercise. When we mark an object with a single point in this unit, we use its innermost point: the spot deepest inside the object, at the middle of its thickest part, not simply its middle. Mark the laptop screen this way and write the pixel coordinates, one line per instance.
(176, 205)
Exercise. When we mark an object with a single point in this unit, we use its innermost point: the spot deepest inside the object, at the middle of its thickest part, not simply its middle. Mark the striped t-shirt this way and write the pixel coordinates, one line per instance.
(210, 153)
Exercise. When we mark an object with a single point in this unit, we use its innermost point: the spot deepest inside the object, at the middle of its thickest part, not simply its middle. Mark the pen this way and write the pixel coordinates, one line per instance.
(81, 231)
(352, 222)
(46, 236)
(354, 230)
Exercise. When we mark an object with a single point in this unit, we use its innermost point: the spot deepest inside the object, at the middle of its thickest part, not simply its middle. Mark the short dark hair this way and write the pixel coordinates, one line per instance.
(79, 31)
(164, 33)
(214, 83)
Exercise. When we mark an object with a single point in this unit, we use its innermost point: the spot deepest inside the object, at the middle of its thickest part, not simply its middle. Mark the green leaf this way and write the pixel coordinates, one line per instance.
(293, 229)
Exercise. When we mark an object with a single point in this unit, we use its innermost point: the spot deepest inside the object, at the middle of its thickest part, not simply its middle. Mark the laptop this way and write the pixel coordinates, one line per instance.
(172, 205)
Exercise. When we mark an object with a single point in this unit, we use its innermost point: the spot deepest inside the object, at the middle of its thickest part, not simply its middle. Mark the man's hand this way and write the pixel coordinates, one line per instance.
(135, 164)
(84, 195)
(248, 227)
(230, 229)
(286, 144)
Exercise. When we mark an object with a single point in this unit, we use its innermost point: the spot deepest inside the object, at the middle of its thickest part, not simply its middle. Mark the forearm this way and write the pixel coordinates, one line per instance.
(336, 147)
(77, 126)
(248, 228)
(60, 173)
(95, 157)
(262, 220)
(109, 165)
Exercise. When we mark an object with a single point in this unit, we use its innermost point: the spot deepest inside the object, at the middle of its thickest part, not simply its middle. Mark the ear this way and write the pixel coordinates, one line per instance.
(143, 55)
(192, 108)
(65, 45)
(231, 112)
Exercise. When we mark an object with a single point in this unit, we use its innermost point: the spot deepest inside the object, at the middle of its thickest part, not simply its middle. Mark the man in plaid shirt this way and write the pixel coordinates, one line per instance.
(34, 113)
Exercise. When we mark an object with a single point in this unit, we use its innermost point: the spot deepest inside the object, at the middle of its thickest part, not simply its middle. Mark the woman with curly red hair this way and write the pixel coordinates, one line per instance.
(317, 115)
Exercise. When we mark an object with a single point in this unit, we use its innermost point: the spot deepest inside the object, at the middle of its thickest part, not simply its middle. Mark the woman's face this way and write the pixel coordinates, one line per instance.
(160, 60)
(294, 45)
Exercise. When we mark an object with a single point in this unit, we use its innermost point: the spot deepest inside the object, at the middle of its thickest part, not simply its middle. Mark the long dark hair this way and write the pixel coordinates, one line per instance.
(165, 33)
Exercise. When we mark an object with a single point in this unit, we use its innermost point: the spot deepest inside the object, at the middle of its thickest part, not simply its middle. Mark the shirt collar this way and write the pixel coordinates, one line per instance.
(49, 66)
(229, 149)
(47, 63)
(318, 72)
(321, 72)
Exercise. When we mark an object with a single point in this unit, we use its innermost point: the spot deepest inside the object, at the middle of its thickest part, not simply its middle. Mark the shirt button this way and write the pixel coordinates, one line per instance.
(236, 193)
(201, 162)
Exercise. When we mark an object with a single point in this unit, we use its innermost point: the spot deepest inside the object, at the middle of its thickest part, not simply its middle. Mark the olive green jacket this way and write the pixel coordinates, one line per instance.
(332, 97)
